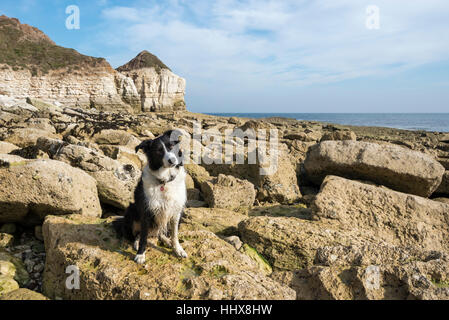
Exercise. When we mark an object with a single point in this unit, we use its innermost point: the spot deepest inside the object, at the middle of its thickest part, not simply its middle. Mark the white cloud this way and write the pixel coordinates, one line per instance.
(257, 44)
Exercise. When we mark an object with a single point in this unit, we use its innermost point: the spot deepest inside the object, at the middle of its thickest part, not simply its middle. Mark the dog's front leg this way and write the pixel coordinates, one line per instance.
(140, 256)
(179, 251)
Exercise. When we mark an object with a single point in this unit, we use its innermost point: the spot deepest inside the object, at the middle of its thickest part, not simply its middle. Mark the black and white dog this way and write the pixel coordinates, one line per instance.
(159, 198)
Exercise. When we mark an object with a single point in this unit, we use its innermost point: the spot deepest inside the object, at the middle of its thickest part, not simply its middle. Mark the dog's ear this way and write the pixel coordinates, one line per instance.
(175, 135)
(144, 145)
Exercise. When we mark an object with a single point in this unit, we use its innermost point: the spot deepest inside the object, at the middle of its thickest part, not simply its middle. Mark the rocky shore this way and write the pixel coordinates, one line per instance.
(351, 213)
(348, 212)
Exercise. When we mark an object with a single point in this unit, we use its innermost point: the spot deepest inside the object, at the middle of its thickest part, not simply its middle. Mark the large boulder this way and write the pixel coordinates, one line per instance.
(115, 181)
(289, 243)
(373, 272)
(12, 273)
(25, 137)
(222, 222)
(6, 147)
(35, 188)
(116, 137)
(396, 217)
(213, 270)
(274, 178)
(390, 165)
(228, 192)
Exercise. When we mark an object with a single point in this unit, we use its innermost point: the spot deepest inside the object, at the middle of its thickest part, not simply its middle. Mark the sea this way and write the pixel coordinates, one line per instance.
(435, 122)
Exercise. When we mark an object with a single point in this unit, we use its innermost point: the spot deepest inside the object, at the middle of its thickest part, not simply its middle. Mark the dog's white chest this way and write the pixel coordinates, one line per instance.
(166, 199)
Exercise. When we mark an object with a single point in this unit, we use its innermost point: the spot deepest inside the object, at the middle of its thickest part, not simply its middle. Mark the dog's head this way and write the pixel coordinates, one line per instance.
(163, 151)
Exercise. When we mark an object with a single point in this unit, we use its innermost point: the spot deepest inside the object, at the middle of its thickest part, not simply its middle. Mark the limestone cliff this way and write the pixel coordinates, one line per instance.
(159, 89)
(32, 65)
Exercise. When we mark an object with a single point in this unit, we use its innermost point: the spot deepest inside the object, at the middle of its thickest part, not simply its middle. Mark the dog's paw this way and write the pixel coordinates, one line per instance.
(180, 252)
(140, 258)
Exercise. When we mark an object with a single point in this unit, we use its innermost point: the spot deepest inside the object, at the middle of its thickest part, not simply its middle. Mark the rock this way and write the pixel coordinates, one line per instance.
(40, 123)
(372, 272)
(235, 241)
(8, 228)
(42, 105)
(228, 192)
(198, 174)
(124, 155)
(6, 147)
(190, 184)
(67, 190)
(38, 233)
(443, 200)
(7, 284)
(13, 267)
(23, 294)
(443, 188)
(30, 152)
(280, 185)
(393, 166)
(194, 194)
(290, 243)
(195, 204)
(25, 137)
(214, 268)
(276, 184)
(219, 221)
(116, 137)
(263, 264)
(115, 182)
(339, 135)
(398, 218)
(159, 88)
(6, 240)
(306, 136)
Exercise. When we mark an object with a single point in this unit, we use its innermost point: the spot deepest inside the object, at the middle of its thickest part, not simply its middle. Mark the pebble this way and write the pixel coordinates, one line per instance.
(31, 251)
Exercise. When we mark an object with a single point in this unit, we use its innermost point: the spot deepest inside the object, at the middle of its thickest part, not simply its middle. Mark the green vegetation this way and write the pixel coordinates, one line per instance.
(38, 55)
(264, 265)
(144, 59)
(440, 283)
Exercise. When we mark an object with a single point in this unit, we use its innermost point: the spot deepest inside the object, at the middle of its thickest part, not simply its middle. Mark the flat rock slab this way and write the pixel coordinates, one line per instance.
(31, 189)
(395, 217)
(396, 167)
(289, 243)
(228, 192)
(213, 270)
(373, 272)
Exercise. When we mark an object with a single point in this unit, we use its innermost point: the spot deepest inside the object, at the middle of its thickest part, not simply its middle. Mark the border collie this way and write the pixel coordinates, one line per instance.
(159, 198)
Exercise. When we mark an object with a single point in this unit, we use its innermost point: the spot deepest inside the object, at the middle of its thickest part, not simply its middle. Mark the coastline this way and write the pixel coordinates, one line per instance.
(430, 122)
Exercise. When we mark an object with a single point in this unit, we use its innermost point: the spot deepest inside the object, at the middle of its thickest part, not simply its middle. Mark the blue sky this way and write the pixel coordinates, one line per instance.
(270, 56)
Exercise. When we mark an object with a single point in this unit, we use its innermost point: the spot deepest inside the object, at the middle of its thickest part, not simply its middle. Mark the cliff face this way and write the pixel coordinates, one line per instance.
(31, 65)
(158, 88)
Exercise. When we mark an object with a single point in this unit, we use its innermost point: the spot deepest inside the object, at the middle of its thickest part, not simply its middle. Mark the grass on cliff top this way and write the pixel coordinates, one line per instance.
(144, 59)
(40, 56)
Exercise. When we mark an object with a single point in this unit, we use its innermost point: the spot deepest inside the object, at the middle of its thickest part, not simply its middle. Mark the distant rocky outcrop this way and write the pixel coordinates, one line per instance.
(158, 88)
(33, 66)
